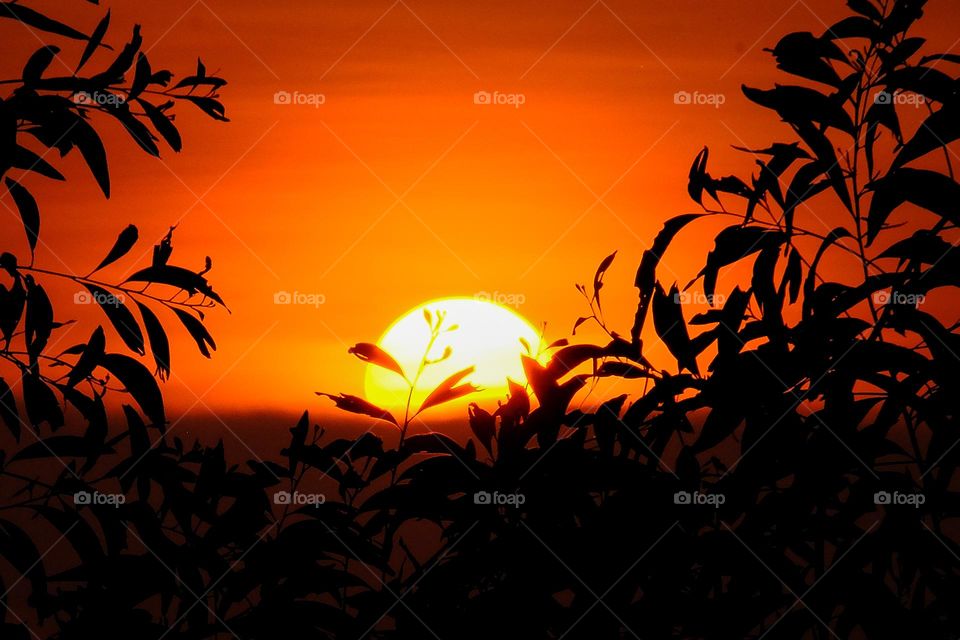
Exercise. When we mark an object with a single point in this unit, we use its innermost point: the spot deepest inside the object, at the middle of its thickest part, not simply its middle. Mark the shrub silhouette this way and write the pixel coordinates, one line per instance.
(792, 476)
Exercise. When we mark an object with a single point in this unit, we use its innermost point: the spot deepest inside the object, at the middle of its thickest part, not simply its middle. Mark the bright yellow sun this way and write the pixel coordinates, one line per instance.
(475, 333)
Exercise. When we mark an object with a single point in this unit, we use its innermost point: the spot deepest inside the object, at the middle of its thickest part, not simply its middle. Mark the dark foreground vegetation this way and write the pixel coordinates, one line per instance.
(791, 474)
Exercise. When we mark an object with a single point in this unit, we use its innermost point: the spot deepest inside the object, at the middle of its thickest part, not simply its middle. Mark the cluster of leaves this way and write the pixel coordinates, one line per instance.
(54, 404)
(798, 399)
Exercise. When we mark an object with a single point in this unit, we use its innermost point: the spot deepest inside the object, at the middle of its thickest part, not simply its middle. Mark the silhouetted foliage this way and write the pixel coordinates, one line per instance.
(792, 476)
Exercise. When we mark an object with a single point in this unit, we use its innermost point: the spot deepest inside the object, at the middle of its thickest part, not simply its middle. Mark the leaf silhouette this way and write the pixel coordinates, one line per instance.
(95, 39)
(38, 323)
(931, 190)
(162, 123)
(671, 327)
(353, 404)
(89, 359)
(40, 401)
(373, 354)
(8, 410)
(938, 130)
(483, 425)
(38, 21)
(449, 390)
(29, 212)
(801, 104)
(37, 65)
(598, 276)
(139, 383)
(120, 317)
(697, 179)
(159, 343)
(121, 246)
(197, 331)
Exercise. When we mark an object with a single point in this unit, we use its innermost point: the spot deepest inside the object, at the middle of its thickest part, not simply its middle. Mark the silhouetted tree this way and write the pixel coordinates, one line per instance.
(791, 476)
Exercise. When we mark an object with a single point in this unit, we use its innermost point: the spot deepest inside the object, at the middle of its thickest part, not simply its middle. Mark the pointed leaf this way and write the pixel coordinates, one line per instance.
(449, 390)
(373, 354)
(124, 242)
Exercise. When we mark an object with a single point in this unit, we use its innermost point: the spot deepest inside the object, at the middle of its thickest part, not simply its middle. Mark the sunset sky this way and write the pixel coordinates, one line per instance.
(398, 188)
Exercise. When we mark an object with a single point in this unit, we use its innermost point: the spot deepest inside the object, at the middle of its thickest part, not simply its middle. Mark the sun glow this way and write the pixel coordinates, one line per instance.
(474, 333)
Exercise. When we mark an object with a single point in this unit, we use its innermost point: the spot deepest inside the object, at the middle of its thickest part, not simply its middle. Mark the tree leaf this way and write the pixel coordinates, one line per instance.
(39, 318)
(37, 20)
(40, 401)
(598, 276)
(121, 246)
(176, 277)
(672, 328)
(449, 390)
(647, 272)
(483, 425)
(802, 104)
(731, 245)
(372, 354)
(804, 54)
(27, 160)
(937, 131)
(8, 410)
(159, 343)
(197, 331)
(162, 123)
(89, 359)
(353, 404)
(139, 383)
(120, 317)
(38, 64)
(697, 178)
(29, 212)
(930, 190)
(95, 40)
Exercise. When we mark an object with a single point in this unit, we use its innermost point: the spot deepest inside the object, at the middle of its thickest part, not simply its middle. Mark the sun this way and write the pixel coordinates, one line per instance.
(475, 333)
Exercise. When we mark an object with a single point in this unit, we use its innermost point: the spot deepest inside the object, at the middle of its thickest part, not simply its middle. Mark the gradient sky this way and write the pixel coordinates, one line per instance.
(399, 189)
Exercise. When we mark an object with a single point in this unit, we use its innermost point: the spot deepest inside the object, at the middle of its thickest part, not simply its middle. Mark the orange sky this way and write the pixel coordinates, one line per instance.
(399, 189)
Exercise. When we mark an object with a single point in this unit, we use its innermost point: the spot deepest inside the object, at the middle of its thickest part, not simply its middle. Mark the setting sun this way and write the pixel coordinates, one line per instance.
(475, 333)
